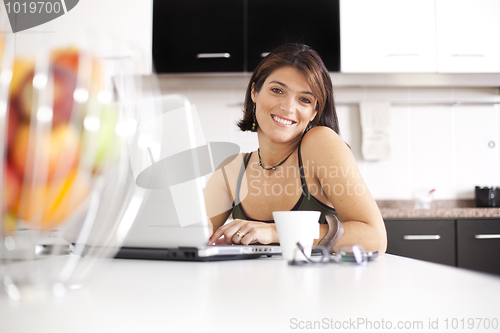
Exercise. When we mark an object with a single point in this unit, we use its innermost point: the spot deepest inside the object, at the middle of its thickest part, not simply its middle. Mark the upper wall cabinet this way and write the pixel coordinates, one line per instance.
(468, 33)
(198, 36)
(387, 36)
(191, 36)
(275, 22)
(449, 36)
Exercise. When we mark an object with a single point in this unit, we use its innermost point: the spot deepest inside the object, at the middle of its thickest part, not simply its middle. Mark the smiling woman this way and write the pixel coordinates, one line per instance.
(286, 105)
(301, 163)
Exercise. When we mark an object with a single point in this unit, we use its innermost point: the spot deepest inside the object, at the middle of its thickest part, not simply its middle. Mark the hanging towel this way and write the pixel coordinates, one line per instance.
(375, 127)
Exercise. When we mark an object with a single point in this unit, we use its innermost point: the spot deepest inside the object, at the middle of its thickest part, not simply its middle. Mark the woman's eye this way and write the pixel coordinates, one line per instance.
(305, 100)
(276, 90)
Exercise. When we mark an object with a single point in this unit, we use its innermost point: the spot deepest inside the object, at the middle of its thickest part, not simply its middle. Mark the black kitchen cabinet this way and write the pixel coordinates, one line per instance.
(275, 22)
(198, 36)
(195, 36)
(478, 244)
(429, 240)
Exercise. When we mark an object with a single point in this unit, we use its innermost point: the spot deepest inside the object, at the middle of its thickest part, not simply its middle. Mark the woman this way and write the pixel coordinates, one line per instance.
(301, 164)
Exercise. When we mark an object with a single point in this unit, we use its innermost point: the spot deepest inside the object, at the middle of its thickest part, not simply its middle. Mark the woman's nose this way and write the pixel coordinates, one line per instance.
(287, 104)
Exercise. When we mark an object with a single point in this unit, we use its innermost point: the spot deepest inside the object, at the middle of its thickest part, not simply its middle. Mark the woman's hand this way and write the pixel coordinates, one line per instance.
(245, 232)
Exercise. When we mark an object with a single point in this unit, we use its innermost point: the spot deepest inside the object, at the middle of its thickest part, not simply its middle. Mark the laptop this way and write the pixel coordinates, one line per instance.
(171, 161)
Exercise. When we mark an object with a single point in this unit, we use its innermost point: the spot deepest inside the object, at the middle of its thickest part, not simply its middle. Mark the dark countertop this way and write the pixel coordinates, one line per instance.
(439, 209)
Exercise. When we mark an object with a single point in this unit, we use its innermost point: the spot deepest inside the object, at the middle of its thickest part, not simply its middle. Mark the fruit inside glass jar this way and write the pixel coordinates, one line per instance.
(59, 136)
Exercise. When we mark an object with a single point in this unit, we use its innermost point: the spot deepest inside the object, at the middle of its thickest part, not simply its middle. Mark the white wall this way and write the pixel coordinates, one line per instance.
(106, 26)
(435, 145)
(441, 146)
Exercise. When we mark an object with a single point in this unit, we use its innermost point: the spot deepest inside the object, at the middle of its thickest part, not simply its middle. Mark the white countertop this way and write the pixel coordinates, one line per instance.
(263, 295)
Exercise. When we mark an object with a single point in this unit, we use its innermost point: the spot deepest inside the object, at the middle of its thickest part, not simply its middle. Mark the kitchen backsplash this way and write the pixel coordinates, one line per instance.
(436, 143)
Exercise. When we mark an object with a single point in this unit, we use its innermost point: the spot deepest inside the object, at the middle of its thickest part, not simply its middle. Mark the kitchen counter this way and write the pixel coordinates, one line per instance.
(439, 209)
(264, 295)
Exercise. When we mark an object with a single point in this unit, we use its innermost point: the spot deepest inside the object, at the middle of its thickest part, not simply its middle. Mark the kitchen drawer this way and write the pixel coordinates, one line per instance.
(478, 244)
(429, 240)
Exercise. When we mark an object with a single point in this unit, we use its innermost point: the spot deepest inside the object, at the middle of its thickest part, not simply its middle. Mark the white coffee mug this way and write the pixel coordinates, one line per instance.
(296, 226)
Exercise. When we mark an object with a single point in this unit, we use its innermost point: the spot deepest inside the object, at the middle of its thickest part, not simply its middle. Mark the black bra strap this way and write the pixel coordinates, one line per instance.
(246, 158)
(301, 171)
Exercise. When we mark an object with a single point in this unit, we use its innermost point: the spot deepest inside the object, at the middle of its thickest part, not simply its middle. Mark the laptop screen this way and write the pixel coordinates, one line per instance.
(172, 161)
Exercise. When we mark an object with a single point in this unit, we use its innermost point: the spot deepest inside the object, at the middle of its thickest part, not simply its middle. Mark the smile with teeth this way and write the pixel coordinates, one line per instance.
(282, 121)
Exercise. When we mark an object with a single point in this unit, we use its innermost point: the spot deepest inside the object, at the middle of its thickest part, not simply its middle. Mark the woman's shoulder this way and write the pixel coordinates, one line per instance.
(323, 147)
(320, 138)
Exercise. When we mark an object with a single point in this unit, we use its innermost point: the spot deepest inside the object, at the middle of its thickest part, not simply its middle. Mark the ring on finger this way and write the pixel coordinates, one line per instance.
(239, 233)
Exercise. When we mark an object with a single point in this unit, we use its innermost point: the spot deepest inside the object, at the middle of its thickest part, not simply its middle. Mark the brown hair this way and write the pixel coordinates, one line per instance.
(307, 61)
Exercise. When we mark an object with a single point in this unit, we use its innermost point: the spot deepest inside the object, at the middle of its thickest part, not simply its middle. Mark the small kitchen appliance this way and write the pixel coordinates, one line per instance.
(487, 196)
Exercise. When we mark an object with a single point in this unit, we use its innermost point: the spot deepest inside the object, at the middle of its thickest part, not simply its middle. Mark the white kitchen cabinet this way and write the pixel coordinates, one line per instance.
(387, 36)
(407, 36)
(468, 33)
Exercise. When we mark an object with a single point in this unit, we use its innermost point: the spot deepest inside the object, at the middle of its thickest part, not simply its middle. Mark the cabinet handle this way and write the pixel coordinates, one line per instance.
(264, 54)
(403, 55)
(469, 55)
(213, 55)
(421, 237)
(487, 236)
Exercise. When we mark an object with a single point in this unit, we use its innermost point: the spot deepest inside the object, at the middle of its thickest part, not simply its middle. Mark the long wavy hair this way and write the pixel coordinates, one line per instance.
(307, 61)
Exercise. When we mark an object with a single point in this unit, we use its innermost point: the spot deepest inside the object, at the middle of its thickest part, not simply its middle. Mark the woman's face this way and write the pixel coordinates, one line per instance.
(284, 105)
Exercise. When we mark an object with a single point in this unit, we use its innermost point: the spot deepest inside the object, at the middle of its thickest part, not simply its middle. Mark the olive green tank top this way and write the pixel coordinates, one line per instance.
(306, 201)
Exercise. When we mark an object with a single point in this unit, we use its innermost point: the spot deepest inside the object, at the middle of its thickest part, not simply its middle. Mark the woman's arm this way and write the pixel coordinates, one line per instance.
(218, 200)
(334, 167)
